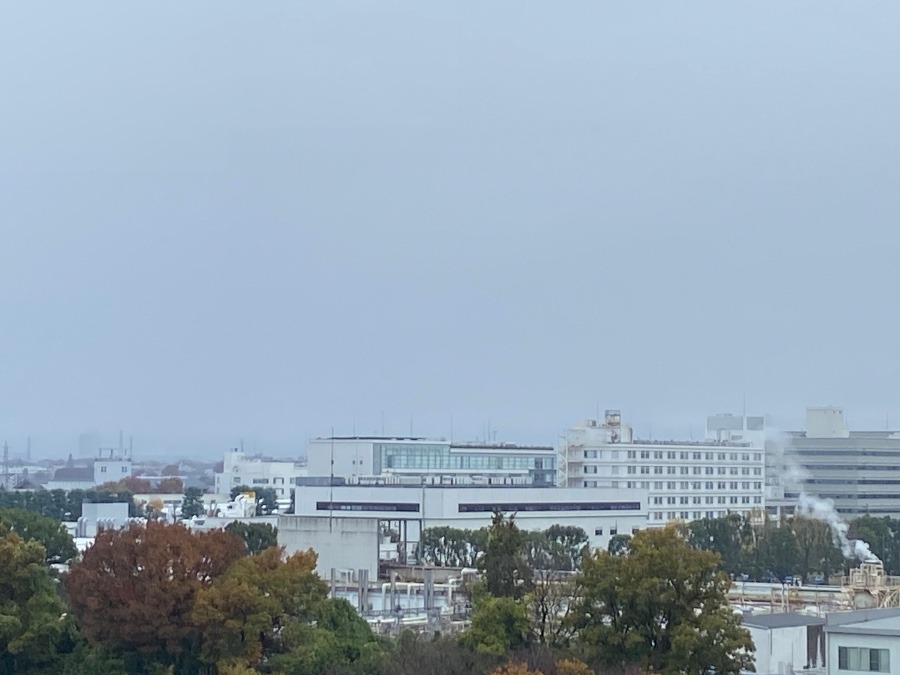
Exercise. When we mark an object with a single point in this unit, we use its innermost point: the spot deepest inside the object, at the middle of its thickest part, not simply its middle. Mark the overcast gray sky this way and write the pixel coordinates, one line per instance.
(267, 219)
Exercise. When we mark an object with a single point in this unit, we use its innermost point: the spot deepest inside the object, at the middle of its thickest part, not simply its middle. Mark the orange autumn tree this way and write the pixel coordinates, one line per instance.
(134, 590)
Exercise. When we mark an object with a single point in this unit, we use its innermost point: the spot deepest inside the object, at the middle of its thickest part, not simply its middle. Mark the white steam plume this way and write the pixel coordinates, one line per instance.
(815, 508)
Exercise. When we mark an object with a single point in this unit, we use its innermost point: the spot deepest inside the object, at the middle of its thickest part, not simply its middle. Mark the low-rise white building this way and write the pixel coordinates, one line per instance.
(685, 480)
(602, 513)
(866, 641)
(787, 643)
(239, 469)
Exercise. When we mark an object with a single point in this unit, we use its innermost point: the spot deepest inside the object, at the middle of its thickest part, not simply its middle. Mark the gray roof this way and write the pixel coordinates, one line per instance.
(889, 626)
(783, 620)
(75, 473)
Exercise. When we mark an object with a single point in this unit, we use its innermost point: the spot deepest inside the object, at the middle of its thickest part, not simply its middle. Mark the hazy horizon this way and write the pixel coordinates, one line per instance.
(267, 221)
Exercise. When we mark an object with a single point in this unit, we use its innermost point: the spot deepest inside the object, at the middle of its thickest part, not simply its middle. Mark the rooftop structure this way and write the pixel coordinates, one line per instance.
(426, 461)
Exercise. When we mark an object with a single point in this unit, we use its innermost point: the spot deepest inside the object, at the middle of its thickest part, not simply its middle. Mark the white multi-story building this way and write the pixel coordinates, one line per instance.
(388, 459)
(239, 469)
(684, 480)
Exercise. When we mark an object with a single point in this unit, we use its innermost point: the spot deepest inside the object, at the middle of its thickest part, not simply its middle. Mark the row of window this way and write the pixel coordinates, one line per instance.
(684, 470)
(660, 516)
(687, 485)
(672, 485)
(614, 530)
(402, 456)
(696, 456)
(658, 501)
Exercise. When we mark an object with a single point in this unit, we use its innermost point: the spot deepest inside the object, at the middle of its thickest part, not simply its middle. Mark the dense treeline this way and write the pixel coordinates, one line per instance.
(795, 547)
(62, 505)
(559, 547)
(157, 598)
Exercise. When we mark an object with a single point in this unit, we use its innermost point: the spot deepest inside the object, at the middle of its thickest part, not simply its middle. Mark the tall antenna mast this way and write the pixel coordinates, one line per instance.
(5, 465)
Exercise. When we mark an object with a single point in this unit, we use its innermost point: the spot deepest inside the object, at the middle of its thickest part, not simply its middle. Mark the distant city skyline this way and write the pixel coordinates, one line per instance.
(211, 447)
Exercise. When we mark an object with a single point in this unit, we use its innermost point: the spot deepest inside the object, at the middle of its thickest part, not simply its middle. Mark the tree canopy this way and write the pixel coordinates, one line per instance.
(662, 606)
(133, 591)
(48, 532)
(35, 634)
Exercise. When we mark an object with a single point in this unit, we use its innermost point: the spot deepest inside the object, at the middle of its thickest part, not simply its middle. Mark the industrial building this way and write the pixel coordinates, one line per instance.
(342, 523)
(857, 470)
(684, 480)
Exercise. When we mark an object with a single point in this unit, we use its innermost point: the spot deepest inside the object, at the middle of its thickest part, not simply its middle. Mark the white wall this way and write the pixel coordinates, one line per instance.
(779, 650)
(340, 543)
(351, 457)
(439, 506)
(836, 640)
(238, 469)
(109, 470)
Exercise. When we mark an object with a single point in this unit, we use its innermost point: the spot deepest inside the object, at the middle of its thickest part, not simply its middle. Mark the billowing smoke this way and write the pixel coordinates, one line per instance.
(819, 509)
(793, 475)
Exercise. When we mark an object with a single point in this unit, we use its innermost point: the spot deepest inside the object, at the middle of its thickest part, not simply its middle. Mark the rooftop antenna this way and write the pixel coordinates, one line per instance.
(242, 444)
(451, 428)
(5, 465)
(331, 486)
(131, 447)
(382, 423)
(28, 450)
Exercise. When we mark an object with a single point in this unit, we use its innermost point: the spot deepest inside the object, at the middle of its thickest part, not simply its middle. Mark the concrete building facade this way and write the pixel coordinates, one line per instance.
(602, 513)
(866, 641)
(240, 469)
(858, 470)
(684, 480)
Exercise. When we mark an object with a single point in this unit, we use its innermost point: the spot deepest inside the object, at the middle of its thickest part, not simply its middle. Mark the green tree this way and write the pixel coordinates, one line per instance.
(778, 549)
(192, 504)
(240, 613)
(49, 533)
(338, 640)
(568, 544)
(257, 537)
(35, 632)
(619, 544)
(816, 552)
(452, 547)
(663, 607)
(504, 564)
(499, 625)
(724, 536)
